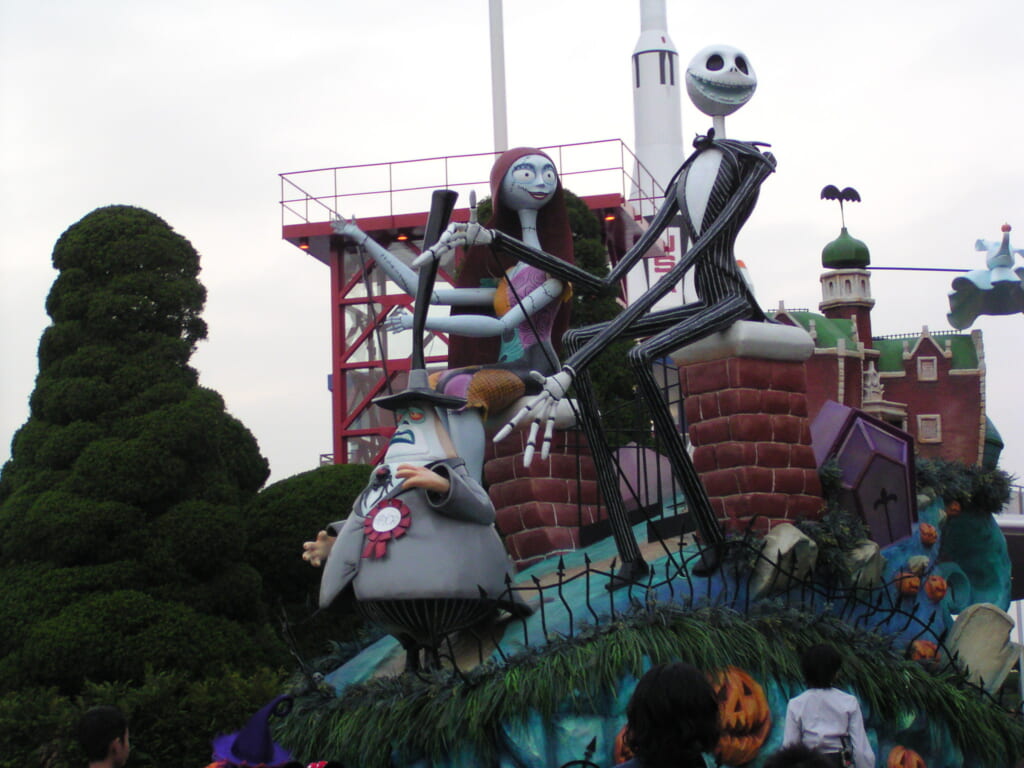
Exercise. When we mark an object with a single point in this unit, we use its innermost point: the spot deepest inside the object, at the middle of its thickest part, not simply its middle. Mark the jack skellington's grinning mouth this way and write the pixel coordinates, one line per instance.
(723, 93)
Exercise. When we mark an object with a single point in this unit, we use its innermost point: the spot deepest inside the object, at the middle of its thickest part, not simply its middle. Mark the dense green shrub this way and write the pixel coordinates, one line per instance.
(33, 592)
(63, 445)
(289, 512)
(234, 592)
(116, 635)
(977, 489)
(172, 716)
(278, 520)
(189, 538)
(121, 534)
(76, 531)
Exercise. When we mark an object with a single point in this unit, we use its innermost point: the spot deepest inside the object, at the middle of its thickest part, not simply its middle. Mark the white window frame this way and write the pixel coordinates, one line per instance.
(929, 428)
(923, 366)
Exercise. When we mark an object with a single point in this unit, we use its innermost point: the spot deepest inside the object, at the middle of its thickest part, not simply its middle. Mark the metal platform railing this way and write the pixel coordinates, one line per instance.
(397, 187)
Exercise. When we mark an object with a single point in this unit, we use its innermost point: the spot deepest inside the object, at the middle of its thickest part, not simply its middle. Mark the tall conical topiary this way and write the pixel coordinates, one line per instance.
(121, 537)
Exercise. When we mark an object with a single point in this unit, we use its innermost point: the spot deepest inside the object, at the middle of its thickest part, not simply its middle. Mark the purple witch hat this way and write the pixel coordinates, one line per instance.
(252, 746)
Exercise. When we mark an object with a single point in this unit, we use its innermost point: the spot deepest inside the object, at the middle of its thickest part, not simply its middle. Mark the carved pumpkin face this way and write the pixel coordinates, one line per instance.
(928, 534)
(935, 587)
(908, 583)
(901, 757)
(744, 714)
(953, 509)
(923, 650)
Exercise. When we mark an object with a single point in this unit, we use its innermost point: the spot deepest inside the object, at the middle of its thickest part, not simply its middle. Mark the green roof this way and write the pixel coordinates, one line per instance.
(828, 331)
(965, 356)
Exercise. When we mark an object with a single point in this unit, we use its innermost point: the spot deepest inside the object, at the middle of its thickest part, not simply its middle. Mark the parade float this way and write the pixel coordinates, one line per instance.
(831, 491)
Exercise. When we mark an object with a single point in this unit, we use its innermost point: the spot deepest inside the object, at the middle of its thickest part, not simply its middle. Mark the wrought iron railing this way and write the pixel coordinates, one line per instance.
(674, 585)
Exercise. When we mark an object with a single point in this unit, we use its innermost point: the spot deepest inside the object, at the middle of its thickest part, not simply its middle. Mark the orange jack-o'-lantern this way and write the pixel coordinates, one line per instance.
(935, 587)
(908, 583)
(928, 534)
(953, 508)
(923, 650)
(901, 757)
(744, 715)
(622, 751)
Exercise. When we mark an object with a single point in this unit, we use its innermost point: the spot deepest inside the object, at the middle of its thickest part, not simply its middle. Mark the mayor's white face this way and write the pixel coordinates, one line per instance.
(720, 80)
(529, 184)
(419, 437)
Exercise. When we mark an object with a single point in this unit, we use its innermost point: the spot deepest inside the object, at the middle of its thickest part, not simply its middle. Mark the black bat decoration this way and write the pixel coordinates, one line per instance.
(831, 192)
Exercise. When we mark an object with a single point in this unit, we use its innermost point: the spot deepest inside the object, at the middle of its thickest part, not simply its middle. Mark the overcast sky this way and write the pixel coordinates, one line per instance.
(191, 109)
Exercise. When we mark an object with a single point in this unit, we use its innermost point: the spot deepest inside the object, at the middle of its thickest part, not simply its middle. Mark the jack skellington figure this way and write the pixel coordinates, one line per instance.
(714, 191)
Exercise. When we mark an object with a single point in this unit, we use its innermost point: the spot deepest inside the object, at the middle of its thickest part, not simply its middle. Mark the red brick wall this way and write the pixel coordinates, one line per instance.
(957, 399)
(541, 508)
(752, 445)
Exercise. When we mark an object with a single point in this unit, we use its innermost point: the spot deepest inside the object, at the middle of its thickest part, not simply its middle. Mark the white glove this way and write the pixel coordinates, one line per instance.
(399, 320)
(543, 408)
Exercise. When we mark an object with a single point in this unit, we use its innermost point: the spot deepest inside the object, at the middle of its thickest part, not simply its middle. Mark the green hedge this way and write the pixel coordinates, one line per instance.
(172, 717)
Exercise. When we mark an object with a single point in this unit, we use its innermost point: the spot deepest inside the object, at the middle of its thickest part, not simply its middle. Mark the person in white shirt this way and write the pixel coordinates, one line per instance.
(822, 716)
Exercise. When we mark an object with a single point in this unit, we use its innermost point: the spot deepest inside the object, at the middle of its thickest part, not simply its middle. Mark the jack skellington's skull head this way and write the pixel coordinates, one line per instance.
(720, 80)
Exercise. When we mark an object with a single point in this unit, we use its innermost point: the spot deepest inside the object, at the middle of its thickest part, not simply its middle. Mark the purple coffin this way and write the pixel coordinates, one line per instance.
(877, 464)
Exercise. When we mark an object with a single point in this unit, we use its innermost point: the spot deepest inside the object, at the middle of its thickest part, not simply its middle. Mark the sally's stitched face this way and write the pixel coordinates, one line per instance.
(529, 183)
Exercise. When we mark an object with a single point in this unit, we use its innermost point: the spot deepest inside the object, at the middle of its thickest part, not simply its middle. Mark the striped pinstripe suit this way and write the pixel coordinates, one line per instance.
(719, 184)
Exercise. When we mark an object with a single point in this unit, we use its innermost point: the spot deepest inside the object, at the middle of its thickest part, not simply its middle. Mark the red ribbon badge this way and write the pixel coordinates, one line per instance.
(388, 520)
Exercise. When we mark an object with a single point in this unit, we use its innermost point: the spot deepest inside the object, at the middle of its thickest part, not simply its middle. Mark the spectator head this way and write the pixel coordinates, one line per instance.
(673, 713)
(102, 729)
(820, 665)
(798, 756)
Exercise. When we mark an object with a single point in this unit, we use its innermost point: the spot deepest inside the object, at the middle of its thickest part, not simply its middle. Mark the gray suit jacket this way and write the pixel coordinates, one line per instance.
(449, 549)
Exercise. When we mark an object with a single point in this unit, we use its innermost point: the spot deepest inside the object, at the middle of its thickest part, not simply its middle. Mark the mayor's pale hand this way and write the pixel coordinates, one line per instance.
(316, 552)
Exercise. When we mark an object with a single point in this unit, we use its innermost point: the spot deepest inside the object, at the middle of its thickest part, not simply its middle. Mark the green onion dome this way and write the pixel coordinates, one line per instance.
(845, 251)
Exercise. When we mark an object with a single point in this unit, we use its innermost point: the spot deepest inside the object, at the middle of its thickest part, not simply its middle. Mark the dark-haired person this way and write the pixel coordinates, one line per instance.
(823, 716)
(798, 756)
(672, 718)
(103, 734)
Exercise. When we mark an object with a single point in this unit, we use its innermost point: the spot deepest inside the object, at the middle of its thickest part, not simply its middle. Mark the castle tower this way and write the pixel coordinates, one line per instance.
(846, 286)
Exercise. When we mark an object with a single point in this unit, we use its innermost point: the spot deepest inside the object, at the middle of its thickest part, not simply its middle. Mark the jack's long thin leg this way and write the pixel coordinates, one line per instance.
(712, 319)
(633, 565)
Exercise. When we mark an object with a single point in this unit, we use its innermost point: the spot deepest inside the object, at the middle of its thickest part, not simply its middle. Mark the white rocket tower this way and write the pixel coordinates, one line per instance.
(657, 84)
(658, 80)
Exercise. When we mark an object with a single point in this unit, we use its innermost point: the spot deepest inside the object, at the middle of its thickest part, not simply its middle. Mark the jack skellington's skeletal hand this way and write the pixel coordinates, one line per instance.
(399, 320)
(542, 409)
(457, 235)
